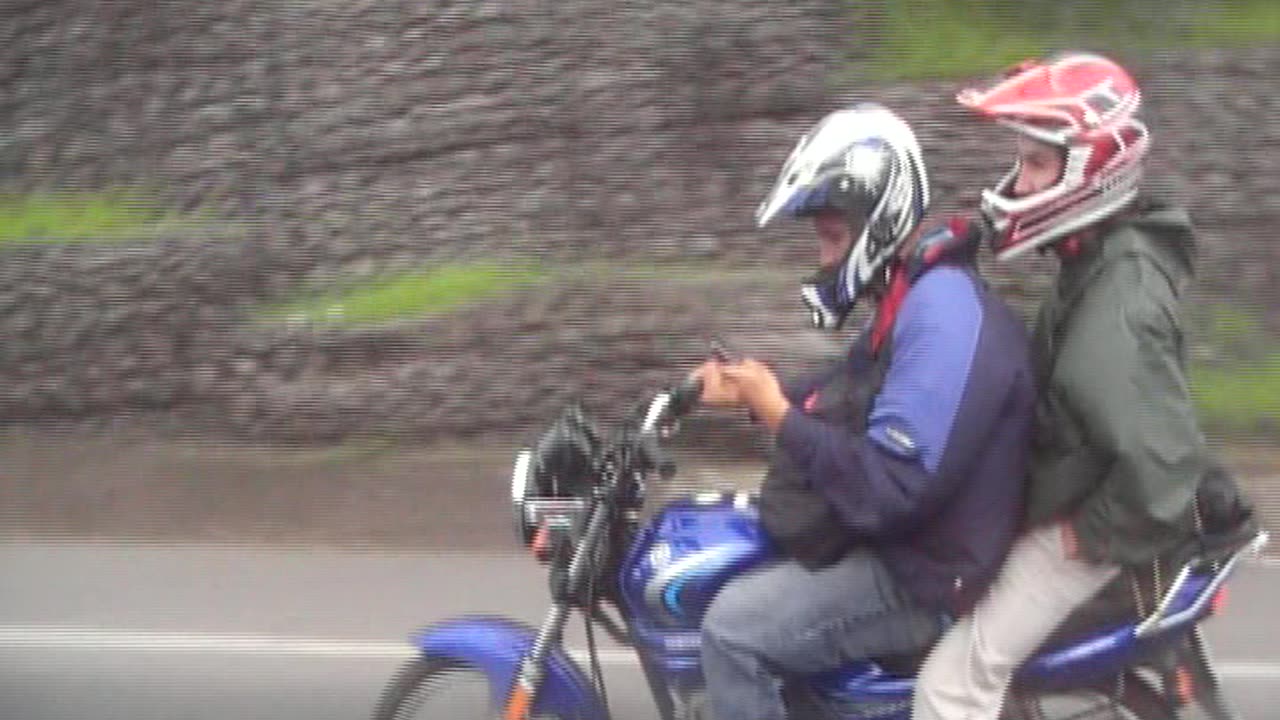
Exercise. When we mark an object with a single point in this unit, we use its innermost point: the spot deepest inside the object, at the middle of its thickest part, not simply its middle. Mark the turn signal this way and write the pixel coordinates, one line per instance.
(1218, 602)
(541, 544)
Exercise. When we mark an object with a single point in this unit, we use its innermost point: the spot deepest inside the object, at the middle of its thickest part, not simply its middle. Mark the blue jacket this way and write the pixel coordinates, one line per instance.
(935, 483)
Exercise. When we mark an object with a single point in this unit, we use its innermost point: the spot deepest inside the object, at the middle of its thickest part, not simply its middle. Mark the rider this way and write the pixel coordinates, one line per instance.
(1118, 453)
(895, 482)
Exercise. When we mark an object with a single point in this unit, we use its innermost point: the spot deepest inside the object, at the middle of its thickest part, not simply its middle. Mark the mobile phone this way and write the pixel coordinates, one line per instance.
(722, 353)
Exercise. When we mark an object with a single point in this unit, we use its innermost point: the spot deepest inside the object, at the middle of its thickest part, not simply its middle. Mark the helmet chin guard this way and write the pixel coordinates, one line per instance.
(823, 312)
(831, 293)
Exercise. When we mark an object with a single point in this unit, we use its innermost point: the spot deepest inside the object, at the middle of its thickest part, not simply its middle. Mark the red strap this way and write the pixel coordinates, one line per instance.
(1069, 247)
(887, 311)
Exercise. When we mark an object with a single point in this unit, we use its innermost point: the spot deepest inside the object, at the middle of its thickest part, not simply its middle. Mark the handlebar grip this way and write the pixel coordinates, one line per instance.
(685, 397)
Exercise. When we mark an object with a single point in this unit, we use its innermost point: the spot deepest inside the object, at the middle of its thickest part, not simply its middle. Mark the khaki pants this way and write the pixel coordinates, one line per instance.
(968, 672)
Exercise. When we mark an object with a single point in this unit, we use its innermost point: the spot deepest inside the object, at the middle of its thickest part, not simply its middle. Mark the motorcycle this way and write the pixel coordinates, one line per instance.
(578, 497)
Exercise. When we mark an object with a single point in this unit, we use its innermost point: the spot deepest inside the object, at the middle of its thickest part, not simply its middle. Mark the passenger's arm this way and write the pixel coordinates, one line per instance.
(1123, 377)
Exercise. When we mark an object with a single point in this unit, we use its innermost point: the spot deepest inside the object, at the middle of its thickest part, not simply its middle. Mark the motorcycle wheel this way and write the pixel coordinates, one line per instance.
(1136, 700)
(435, 688)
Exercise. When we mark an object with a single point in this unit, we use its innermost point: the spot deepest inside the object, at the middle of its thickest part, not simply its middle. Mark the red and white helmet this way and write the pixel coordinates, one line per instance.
(1086, 105)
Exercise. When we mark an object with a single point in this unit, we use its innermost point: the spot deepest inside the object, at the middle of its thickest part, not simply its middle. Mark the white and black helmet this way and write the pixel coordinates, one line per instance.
(865, 162)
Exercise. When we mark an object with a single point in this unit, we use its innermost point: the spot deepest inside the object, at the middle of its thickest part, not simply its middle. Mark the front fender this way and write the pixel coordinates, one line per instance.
(495, 645)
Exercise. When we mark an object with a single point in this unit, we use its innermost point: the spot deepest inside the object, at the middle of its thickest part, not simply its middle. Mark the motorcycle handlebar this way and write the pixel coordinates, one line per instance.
(685, 397)
(671, 404)
(679, 401)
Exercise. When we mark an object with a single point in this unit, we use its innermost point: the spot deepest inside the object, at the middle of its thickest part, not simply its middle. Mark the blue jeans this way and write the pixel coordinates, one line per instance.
(783, 618)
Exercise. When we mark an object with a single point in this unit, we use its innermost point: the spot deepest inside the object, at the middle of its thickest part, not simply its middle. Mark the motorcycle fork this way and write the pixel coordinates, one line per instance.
(1191, 684)
(532, 669)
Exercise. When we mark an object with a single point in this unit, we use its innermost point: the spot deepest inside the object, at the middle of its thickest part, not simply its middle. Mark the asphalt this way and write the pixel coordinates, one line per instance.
(146, 578)
(142, 631)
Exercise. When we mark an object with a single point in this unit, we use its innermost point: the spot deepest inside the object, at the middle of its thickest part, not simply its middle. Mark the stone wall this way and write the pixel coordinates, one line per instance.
(350, 138)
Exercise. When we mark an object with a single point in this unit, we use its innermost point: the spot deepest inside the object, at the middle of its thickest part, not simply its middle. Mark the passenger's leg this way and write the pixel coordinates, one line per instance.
(969, 670)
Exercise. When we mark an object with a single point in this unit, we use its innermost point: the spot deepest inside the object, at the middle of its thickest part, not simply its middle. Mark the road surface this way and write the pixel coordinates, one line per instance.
(164, 632)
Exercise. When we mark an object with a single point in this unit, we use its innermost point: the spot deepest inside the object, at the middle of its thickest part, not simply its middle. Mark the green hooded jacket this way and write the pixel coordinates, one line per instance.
(1118, 451)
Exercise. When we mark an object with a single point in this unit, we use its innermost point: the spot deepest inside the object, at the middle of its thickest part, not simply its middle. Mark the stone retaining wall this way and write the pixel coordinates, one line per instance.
(346, 139)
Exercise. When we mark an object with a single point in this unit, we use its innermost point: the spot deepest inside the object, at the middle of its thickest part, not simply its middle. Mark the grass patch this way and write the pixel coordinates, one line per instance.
(409, 295)
(921, 39)
(1239, 400)
(1237, 390)
(924, 39)
(1236, 22)
(416, 294)
(63, 217)
(1235, 335)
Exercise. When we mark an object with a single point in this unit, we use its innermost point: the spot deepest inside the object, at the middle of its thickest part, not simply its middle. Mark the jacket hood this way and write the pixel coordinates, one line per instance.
(1167, 237)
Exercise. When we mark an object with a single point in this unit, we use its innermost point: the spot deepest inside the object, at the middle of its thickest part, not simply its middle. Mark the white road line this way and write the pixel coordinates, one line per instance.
(83, 638)
(1247, 670)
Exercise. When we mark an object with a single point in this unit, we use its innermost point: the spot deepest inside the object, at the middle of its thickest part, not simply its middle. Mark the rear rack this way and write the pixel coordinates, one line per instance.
(1166, 615)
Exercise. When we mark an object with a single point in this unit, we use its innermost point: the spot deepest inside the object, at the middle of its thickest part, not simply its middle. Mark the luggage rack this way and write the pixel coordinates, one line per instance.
(1192, 589)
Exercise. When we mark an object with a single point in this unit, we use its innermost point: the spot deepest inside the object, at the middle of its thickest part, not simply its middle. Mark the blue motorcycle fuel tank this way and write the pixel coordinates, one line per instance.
(681, 559)
(677, 563)
(687, 553)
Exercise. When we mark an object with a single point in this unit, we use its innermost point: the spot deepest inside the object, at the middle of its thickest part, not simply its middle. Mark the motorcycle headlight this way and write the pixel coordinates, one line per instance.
(534, 507)
(522, 485)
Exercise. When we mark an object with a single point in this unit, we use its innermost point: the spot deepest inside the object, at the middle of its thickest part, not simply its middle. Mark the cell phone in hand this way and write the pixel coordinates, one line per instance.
(721, 353)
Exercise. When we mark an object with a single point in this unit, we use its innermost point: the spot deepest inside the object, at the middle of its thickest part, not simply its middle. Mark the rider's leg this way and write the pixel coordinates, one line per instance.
(787, 618)
(967, 673)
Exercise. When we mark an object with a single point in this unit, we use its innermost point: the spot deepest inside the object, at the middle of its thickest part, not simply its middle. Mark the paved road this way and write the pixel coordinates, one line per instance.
(221, 633)
(211, 631)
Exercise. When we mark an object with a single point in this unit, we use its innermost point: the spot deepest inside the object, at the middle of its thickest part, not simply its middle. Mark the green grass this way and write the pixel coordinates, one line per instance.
(1238, 392)
(923, 39)
(57, 217)
(1236, 335)
(938, 38)
(1239, 400)
(408, 295)
(1236, 22)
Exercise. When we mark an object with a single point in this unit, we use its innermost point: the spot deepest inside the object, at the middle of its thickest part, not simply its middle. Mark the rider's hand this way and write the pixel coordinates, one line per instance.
(759, 390)
(716, 391)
